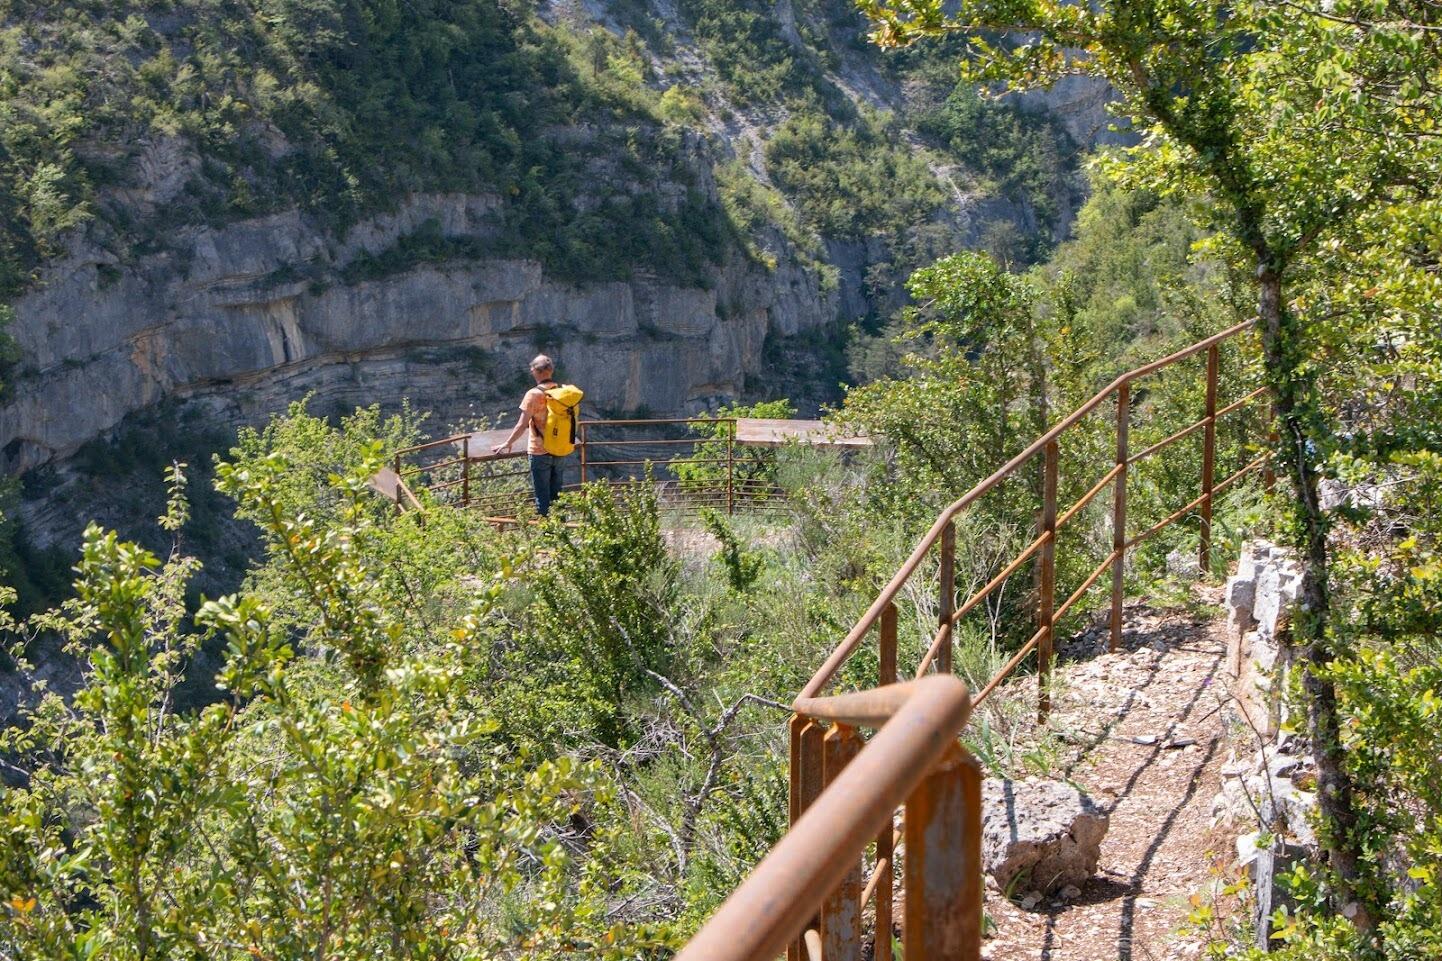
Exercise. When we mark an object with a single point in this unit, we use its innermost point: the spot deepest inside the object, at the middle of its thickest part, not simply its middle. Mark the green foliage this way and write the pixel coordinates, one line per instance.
(322, 807)
(754, 210)
(851, 180)
(425, 245)
(393, 757)
(971, 379)
(1140, 278)
(313, 452)
(369, 101)
(1025, 154)
(717, 460)
(742, 566)
(744, 43)
(603, 600)
(681, 105)
(1288, 129)
(35, 575)
(342, 107)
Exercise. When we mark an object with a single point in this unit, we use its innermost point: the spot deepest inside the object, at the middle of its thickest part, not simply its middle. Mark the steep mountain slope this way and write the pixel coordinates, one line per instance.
(209, 208)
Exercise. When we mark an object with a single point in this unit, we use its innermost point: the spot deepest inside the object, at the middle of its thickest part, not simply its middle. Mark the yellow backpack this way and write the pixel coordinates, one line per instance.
(562, 412)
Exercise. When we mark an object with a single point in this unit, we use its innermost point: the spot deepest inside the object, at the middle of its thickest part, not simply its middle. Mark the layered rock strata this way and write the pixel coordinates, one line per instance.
(226, 312)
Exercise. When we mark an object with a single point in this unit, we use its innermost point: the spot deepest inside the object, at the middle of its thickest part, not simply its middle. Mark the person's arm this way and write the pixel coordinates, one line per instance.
(522, 423)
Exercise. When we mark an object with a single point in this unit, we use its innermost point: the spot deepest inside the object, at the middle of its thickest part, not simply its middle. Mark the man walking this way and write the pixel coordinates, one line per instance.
(544, 401)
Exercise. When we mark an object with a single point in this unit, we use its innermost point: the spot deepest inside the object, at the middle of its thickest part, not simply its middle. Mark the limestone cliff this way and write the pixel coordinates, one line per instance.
(222, 314)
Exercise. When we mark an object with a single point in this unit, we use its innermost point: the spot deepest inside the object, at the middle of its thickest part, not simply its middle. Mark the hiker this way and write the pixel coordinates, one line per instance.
(548, 413)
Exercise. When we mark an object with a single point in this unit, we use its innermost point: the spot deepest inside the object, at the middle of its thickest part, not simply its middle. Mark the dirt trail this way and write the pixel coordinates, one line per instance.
(1146, 740)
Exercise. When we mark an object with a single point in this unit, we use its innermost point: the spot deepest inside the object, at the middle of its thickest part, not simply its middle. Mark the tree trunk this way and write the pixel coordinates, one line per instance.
(1308, 645)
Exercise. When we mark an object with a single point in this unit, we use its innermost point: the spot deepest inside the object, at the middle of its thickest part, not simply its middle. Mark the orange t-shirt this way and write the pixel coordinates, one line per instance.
(534, 404)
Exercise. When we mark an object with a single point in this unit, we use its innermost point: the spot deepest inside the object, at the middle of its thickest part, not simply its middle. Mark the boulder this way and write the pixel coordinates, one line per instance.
(1039, 835)
(1336, 493)
(1184, 564)
(1263, 588)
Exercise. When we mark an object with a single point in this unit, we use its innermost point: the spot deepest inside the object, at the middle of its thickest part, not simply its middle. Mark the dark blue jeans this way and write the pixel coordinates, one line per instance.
(545, 480)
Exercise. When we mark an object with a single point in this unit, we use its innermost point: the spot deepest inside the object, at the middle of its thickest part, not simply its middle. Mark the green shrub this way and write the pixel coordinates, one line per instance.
(742, 566)
(604, 599)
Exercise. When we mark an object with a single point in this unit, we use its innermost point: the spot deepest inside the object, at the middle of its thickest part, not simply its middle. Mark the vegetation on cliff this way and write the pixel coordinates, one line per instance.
(127, 120)
(337, 108)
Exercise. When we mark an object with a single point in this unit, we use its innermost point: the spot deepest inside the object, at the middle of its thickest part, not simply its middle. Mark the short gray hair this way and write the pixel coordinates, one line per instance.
(542, 362)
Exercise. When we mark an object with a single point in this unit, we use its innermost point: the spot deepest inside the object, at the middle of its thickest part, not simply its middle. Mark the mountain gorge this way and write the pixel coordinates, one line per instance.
(209, 209)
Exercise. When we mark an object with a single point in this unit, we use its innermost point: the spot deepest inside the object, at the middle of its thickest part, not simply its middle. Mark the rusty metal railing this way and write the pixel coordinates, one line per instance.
(941, 537)
(808, 895)
(617, 451)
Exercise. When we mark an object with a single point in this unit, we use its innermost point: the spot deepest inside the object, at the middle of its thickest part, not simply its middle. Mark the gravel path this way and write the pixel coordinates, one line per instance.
(1145, 737)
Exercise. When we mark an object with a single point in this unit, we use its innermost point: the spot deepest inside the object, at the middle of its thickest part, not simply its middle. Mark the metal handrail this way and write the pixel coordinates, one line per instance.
(918, 724)
(807, 895)
(946, 519)
(724, 492)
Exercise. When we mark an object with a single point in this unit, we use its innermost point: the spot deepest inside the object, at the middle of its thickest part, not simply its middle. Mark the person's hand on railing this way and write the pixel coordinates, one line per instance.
(502, 448)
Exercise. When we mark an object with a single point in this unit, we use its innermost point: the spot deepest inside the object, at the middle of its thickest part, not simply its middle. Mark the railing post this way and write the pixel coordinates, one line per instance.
(583, 453)
(466, 471)
(1046, 586)
(731, 468)
(807, 771)
(943, 863)
(1209, 454)
(840, 926)
(948, 595)
(1119, 512)
(885, 840)
(400, 508)
(886, 669)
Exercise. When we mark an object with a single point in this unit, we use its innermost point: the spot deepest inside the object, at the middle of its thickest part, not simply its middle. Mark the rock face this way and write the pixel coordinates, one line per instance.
(1259, 599)
(1039, 835)
(1081, 104)
(1272, 790)
(222, 311)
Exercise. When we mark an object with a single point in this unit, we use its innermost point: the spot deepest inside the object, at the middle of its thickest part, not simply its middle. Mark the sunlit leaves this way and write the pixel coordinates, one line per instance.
(342, 810)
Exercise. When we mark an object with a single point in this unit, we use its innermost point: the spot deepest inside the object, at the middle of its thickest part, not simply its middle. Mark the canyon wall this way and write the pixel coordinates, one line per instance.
(223, 314)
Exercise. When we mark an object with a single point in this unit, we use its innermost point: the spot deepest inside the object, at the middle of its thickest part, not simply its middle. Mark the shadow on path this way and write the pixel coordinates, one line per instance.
(1157, 827)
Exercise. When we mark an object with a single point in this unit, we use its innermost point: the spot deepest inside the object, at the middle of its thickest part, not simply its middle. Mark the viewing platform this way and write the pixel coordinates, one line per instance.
(724, 463)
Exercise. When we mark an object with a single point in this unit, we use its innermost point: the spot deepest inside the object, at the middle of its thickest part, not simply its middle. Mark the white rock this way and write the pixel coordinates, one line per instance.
(1046, 832)
(1183, 564)
(1247, 849)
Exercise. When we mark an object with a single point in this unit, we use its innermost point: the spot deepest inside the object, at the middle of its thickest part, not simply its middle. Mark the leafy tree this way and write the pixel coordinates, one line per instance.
(972, 377)
(338, 808)
(1141, 278)
(1299, 124)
